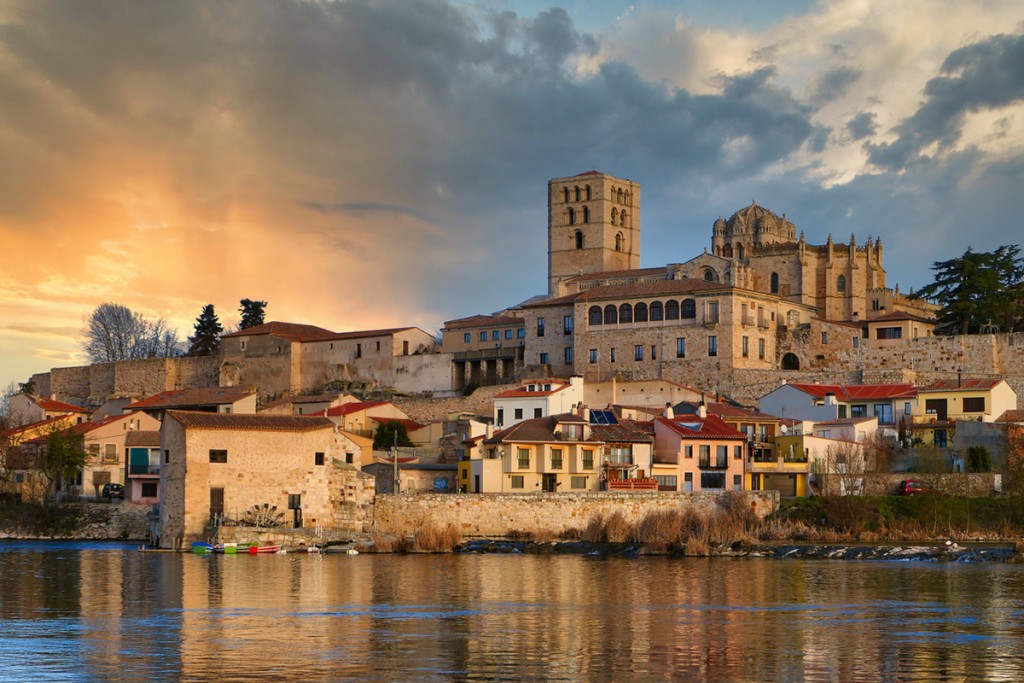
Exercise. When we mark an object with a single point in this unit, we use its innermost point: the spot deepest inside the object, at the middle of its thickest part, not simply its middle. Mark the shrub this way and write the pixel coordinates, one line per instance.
(617, 528)
(432, 538)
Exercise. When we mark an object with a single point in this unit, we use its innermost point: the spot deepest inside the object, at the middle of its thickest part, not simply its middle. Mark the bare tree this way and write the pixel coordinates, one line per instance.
(115, 332)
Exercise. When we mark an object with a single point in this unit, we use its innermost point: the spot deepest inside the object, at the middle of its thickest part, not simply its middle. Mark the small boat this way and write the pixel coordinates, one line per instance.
(260, 549)
(201, 548)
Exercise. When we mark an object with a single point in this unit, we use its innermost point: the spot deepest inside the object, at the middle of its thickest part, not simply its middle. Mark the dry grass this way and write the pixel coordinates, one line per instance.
(433, 538)
(388, 543)
(594, 531)
(660, 530)
(617, 529)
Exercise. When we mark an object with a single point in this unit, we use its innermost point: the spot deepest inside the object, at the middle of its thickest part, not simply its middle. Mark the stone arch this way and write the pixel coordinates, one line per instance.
(566, 190)
(640, 313)
(710, 275)
(657, 311)
(611, 314)
(586, 214)
(841, 284)
(595, 316)
(572, 216)
(689, 309)
(577, 191)
(618, 241)
(625, 313)
(588, 192)
(671, 310)
(790, 361)
(578, 237)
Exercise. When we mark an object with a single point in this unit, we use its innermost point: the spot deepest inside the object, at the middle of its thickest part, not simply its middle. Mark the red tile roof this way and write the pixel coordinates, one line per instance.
(1011, 416)
(181, 398)
(695, 427)
(142, 437)
(83, 428)
(858, 392)
(349, 408)
(899, 315)
(410, 425)
(483, 321)
(237, 421)
(961, 385)
(655, 288)
(616, 274)
(537, 430)
(51, 405)
(725, 411)
(14, 431)
(523, 393)
(310, 333)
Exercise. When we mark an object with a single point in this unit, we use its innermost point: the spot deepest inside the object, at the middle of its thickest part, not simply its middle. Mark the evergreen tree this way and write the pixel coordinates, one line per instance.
(390, 433)
(978, 289)
(252, 313)
(206, 341)
(64, 457)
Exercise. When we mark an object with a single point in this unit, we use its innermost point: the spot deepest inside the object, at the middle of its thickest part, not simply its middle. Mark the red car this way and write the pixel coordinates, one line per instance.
(913, 487)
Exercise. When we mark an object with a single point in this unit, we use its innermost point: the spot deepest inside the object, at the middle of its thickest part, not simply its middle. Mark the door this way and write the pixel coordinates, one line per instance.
(476, 483)
(936, 407)
(216, 504)
(549, 482)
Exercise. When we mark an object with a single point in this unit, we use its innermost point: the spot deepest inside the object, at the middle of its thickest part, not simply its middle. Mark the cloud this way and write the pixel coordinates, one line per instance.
(861, 126)
(833, 83)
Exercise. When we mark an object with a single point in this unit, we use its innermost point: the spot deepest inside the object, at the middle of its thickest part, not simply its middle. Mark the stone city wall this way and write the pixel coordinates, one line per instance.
(502, 515)
(92, 385)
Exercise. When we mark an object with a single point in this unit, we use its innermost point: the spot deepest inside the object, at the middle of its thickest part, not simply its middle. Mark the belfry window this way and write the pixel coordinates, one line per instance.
(586, 214)
(579, 239)
(775, 283)
(618, 242)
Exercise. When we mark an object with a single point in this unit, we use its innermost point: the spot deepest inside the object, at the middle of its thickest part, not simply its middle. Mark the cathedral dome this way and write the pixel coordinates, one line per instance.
(758, 220)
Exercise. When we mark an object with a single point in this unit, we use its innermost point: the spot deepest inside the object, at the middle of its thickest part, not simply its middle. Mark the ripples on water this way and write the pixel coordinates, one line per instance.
(107, 612)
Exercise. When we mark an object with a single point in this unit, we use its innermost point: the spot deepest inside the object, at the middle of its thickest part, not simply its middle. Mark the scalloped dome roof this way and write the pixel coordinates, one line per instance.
(755, 217)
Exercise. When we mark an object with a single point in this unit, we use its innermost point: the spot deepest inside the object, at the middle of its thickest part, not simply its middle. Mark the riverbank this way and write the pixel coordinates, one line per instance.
(98, 521)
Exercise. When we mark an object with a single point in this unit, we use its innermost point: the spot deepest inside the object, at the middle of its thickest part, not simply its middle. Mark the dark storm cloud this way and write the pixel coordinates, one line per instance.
(861, 126)
(833, 84)
(986, 75)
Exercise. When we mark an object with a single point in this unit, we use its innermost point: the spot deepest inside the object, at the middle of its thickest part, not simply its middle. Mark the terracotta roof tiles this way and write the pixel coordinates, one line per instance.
(237, 421)
(205, 396)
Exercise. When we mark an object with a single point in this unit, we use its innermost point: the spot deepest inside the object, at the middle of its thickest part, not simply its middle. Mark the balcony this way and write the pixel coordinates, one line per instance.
(633, 485)
(143, 470)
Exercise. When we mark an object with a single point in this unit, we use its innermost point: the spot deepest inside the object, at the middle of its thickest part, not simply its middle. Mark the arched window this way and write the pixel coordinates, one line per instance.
(579, 239)
(615, 215)
(640, 313)
(566, 195)
(688, 309)
(841, 284)
(588, 193)
(790, 362)
(594, 316)
(619, 196)
(739, 251)
(611, 314)
(577, 193)
(727, 251)
(625, 313)
(657, 311)
(775, 283)
(710, 275)
(672, 310)
(618, 242)
(572, 216)
(586, 214)
(622, 218)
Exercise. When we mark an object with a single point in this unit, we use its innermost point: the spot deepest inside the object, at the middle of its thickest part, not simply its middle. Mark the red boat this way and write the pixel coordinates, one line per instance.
(259, 549)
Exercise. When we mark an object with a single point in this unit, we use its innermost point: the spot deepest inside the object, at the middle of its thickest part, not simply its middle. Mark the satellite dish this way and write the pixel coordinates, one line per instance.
(783, 429)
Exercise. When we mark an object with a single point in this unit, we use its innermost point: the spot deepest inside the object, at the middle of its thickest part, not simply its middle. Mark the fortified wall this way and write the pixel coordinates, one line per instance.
(92, 385)
(504, 515)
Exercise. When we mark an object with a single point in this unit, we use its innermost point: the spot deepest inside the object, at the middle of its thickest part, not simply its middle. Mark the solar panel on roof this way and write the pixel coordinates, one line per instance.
(603, 417)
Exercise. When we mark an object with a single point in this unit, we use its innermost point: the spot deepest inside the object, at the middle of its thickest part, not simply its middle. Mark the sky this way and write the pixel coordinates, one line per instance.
(365, 164)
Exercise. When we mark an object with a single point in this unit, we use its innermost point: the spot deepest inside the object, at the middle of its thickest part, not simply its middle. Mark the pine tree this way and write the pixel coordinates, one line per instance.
(252, 313)
(206, 341)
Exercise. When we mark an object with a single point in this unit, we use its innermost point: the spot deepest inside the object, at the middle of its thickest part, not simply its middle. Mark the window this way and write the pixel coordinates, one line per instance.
(841, 284)
(611, 355)
(667, 482)
(737, 452)
(712, 345)
(611, 314)
(149, 489)
(680, 347)
(588, 459)
(638, 352)
(859, 411)
(359, 350)
(688, 450)
(567, 324)
(975, 404)
(745, 346)
(568, 355)
(593, 355)
(318, 459)
(594, 316)
(167, 456)
(508, 334)
(243, 345)
(712, 313)
(494, 335)
(94, 449)
(467, 337)
(572, 217)
(775, 283)
(672, 310)
(538, 412)
(940, 438)
(517, 481)
(110, 452)
(518, 412)
(856, 342)
(544, 358)
(824, 337)
(521, 333)
(350, 458)
(654, 353)
(524, 458)
(556, 458)
(875, 305)
(889, 333)
(625, 313)
(721, 456)
(501, 417)
(578, 236)
(294, 501)
(378, 346)
(220, 456)
(737, 482)
(483, 336)
(578, 482)
(657, 312)
(688, 309)
(540, 327)
(705, 456)
(586, 214)
(906, 408)
(640, 313)
(712, 480)
(760, 349)
(883, 411)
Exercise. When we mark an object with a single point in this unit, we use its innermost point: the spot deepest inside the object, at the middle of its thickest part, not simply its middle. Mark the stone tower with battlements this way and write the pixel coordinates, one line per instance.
(593, 226)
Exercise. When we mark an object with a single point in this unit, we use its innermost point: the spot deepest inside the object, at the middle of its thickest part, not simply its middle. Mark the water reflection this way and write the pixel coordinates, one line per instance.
(76, 613)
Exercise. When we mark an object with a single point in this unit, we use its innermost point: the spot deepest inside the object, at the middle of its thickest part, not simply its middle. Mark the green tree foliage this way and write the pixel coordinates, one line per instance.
(978, 459)
(390, 433)
(64, 457)
(206, 341)
(978, 289)
(115, 332)
(253, 313)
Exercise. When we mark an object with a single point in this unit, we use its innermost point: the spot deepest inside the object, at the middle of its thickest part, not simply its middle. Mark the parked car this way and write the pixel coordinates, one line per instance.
(113, 491)
(913, 487)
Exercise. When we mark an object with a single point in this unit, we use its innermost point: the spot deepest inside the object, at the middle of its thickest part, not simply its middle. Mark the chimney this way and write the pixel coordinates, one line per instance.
(669, 413)
(830, 399)
(702, 410)
(585, 413)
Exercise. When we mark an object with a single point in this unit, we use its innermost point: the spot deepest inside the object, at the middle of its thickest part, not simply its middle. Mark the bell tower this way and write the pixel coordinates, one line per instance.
(593, 226)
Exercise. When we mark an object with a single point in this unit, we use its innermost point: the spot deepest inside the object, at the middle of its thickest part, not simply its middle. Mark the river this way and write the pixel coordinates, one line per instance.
(88, 611)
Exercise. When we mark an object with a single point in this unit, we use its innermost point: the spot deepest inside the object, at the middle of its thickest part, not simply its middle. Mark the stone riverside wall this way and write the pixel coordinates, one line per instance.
(89, 522)
(502, 515)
